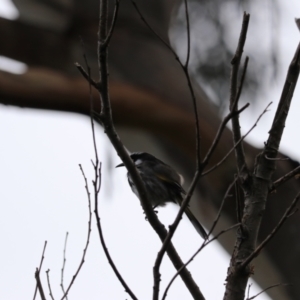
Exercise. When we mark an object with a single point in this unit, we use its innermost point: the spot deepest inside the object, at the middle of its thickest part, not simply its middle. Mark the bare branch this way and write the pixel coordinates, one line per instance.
(204, 244)
(238, 202)
(113, 23)
(188, 33)
(286, 215)
(106, 118)
(49, 285)
(86, 75)
(39, 284)
(185, 70)
(277, 158)
(284, 179)
(211, 230)
(87, 239)
(297, 23)
(266, 289)
(40, 267)
(155, 33)
(184, 205)
(219, 134)
(221, 206)
(256, 189)
(102, 240)
(235, 94)
(240, 88)
(63, 266)
(248, 293)
(232, 149)
(272, 145)
(174, 226)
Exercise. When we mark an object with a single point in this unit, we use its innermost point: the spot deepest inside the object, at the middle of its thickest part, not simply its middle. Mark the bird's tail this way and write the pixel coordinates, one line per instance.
(196, 224)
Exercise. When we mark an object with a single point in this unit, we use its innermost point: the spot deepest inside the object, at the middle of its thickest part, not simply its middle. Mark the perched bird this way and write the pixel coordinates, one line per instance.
(163, 184)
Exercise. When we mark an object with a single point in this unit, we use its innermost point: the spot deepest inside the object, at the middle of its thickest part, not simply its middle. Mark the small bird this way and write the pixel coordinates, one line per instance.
(163, 184)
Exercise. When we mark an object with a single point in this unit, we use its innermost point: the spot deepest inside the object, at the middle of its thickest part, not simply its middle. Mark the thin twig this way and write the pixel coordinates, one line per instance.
(92, 112)
(286, 215)
(248, 293)
(113, 23)
(277, 158)
(102, 240)
(266, 289)
(284, 179)
(235, 94)
(63, 266)
(87, 76)
(40, 267)
(87, 239)
(221, 206)
(204, 244)
(49, 285)
(241, 84)
(219, 134)
(155, 33)
(232, 149)
(188, 34)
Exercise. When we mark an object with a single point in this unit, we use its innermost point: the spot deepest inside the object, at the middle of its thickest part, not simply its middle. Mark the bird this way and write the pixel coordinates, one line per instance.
(162, 183)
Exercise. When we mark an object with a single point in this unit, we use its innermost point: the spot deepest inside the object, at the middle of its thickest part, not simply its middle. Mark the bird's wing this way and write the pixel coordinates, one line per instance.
(168, 175)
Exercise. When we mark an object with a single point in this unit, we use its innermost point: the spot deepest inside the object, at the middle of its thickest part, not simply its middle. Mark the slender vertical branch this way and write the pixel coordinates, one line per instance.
(49, 284)
(235, 92)
(188, 34)
(113, 23)
(63, 266)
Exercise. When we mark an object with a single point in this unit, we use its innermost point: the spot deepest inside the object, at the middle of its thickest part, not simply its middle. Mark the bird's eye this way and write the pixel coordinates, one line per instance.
(138, 162)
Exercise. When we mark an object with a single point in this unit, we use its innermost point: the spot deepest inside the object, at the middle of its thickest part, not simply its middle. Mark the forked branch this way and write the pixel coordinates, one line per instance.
(256, 188)
(106, 119)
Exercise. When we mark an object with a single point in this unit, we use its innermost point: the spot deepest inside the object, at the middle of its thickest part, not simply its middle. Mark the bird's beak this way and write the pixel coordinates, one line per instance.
(120, 165)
